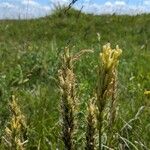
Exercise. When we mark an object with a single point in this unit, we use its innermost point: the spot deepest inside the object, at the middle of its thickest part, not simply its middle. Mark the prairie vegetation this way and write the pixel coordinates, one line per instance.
(31, 55)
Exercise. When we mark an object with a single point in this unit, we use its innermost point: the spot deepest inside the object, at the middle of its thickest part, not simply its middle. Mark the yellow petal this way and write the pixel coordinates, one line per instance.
(147, 93)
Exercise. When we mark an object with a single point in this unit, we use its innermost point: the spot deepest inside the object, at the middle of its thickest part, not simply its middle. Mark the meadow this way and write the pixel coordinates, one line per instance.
(30, 52)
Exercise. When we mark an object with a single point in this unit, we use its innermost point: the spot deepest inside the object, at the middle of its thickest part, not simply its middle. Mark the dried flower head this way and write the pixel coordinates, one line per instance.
(14, 132)
(67, 90)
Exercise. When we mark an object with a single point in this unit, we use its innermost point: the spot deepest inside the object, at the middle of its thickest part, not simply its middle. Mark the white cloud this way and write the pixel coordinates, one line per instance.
(109, 4)
(30, 3)
(118, 7)
(6, 5)
(120, 3)
(59, 2)
(47, 8)
(23, 9)
(147, 2)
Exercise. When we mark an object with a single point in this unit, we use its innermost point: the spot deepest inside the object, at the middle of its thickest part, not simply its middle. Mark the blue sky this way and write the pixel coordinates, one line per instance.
(35, 8)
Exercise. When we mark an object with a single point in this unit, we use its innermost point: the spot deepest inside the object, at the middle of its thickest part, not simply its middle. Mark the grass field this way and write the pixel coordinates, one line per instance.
(30, 58)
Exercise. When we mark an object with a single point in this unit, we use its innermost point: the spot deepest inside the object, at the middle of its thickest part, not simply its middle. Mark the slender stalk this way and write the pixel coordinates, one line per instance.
(102, 92)
(112, 110)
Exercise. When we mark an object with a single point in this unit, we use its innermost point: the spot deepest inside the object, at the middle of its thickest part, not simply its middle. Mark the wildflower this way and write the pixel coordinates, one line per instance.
(110, 56)
(106, 87)
(147, 93)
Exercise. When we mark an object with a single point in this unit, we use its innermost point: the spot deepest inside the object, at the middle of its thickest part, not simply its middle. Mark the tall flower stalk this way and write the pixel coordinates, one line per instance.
(109, 59)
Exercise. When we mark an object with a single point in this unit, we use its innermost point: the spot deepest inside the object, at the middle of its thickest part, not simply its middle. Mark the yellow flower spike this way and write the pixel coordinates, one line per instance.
(110, 56)
(110, 63)
(118, 51)
(107, 50)
(147, 93)
(107, 89)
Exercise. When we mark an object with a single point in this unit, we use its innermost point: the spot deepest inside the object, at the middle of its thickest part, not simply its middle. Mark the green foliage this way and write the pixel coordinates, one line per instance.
(29, 54)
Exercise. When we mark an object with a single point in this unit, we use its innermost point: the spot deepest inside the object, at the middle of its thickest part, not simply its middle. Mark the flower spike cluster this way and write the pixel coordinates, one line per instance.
(110, 56)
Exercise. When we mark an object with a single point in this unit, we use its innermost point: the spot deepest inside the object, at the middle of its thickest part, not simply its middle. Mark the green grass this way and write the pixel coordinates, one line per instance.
(31, 50)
